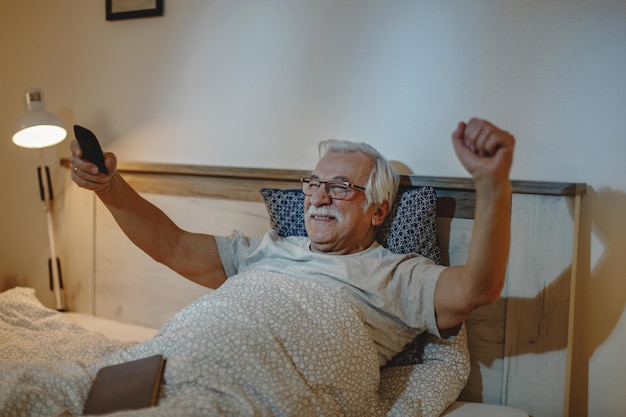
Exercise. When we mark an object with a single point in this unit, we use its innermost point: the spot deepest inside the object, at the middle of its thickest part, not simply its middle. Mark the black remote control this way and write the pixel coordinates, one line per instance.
(92, 151)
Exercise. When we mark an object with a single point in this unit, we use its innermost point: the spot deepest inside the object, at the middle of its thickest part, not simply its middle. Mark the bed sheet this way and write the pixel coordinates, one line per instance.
(129, 332)
(312, 356)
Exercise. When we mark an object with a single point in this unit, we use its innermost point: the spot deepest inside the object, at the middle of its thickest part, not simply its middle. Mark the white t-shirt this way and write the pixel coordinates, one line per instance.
(394, 293)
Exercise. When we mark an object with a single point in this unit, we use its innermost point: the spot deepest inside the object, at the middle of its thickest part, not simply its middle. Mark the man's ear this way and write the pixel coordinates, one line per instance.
(380, 214)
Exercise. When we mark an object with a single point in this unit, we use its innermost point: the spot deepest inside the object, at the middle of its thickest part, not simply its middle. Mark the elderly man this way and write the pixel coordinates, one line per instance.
(348, 196)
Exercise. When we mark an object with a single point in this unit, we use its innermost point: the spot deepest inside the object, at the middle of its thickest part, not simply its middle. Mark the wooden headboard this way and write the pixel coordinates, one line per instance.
(520, 346)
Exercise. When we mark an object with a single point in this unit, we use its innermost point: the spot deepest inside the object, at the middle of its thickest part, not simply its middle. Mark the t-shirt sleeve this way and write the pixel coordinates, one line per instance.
(419, 290)
(233, 249)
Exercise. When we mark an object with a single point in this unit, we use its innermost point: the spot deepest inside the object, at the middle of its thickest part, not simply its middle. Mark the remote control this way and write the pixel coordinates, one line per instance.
(92, 151)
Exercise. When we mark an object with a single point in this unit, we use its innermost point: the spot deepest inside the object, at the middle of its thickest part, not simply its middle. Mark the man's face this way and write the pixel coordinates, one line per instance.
(340, 226)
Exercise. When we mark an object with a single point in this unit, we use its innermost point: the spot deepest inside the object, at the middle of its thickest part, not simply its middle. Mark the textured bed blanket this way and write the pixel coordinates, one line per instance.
(226, 355)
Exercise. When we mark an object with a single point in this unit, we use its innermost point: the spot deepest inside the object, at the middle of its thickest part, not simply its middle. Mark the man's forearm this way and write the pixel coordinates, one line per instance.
(485, 269)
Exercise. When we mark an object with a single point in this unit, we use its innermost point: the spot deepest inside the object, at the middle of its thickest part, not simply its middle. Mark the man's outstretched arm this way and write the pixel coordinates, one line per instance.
(487, 153)
(193, 255)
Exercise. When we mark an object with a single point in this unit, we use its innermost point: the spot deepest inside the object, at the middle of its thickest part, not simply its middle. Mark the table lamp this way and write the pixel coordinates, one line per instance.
(38, 129)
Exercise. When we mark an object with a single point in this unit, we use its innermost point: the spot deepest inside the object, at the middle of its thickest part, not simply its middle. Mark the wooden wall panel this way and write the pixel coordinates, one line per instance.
(131, 287)
(538, 297)
(485, 326)
(76, 251)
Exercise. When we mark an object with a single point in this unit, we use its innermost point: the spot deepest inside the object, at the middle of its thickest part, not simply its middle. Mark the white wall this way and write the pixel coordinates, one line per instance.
(248, 83)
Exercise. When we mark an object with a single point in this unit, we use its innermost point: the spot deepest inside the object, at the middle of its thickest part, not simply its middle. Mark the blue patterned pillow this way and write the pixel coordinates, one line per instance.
(286, 210)
(411, 227)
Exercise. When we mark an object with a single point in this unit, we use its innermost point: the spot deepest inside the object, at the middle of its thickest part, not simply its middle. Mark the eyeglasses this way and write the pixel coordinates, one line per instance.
(338, 190)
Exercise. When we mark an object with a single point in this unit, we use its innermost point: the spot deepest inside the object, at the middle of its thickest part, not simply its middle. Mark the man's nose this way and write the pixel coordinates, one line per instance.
(320, 197)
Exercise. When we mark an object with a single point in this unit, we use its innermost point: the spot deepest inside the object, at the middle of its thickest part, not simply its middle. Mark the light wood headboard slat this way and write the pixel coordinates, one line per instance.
(564, 189)
(291, 177)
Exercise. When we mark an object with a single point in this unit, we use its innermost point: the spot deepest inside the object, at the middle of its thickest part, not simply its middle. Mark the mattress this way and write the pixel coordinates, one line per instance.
(466, 409)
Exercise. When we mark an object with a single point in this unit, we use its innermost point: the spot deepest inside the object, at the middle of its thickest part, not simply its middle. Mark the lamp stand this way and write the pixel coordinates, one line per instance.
(54, 264)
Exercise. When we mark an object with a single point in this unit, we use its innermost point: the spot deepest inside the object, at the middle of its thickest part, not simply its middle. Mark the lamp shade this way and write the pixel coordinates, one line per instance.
(38, 128)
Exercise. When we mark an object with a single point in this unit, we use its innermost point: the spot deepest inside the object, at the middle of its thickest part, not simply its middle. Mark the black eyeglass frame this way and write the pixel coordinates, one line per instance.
(327, 184)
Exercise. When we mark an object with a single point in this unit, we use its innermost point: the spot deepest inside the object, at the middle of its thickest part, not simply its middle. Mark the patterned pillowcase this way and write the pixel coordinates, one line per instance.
(411, 227)
(286, 210)
(428, 388)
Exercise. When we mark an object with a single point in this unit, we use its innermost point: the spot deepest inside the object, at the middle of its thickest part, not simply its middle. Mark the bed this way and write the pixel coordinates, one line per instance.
(512, 357)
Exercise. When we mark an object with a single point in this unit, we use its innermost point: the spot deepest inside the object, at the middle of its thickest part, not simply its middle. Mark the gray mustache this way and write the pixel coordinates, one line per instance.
(324, 211)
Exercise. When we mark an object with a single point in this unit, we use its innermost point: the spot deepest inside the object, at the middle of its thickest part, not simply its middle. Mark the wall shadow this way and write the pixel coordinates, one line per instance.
(600, 296)
(601, 288)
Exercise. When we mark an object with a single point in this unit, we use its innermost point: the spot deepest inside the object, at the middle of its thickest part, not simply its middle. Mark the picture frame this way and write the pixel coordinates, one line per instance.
(131, 9)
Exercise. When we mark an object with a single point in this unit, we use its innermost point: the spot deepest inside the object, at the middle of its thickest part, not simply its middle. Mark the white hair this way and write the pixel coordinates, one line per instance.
(383, 181)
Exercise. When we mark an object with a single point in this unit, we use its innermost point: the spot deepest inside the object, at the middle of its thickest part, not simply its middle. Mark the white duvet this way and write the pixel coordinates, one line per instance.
(226, 356)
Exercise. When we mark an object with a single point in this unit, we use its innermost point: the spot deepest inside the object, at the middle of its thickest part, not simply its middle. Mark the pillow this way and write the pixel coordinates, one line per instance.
(411, 226)
(286, 210)
(428, 388)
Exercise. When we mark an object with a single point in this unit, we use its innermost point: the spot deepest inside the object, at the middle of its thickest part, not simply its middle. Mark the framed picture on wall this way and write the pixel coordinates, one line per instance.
(130, 9)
